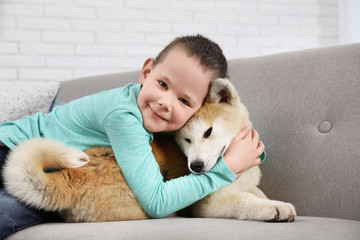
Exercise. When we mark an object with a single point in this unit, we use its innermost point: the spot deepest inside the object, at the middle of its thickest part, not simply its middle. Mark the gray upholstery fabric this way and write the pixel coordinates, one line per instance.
(304, 228)
(306, 106)
(81, 87)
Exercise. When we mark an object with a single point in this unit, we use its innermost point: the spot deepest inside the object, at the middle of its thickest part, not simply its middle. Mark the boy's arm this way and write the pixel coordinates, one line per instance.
(130, 142)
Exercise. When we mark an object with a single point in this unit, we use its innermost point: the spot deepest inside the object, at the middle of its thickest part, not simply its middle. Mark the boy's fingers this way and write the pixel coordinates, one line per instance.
(255, 136)
(261, 148)
(249, 135)
(242, 133)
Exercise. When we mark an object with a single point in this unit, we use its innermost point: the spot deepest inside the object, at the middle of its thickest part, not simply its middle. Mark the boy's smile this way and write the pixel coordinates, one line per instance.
(173, 90)
(156, 115)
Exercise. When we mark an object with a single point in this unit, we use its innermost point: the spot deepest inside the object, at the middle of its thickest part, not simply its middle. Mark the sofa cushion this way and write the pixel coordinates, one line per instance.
(197, 228)
(306, 108)
(18, 99)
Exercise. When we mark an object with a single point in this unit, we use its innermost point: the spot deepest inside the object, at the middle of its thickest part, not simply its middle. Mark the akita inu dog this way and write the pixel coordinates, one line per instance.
(89, 187)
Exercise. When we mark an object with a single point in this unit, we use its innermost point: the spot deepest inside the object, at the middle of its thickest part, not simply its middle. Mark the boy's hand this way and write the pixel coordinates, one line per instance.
(244, 151)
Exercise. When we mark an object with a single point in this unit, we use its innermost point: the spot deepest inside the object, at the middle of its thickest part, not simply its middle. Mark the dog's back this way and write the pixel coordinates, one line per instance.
(48, 175)
(84, 187)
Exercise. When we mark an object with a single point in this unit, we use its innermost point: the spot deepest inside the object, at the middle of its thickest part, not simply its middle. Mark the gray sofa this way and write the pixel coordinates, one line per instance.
(306, 106)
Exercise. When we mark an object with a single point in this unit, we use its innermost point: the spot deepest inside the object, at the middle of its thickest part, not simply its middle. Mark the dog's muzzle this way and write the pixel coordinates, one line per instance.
(197, 166)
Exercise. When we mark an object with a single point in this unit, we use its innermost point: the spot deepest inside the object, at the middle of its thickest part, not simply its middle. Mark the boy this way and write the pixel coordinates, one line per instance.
(172, 88)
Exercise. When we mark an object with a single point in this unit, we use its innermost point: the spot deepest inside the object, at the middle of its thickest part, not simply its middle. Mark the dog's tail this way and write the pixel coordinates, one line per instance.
(32, 175)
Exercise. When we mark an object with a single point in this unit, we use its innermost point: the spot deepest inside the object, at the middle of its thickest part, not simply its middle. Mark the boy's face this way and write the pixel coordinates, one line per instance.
(172, 91)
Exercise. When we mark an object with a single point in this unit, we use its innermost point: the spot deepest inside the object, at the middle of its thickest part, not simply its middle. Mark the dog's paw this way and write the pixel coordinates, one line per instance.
(78, 159)
(276, 211)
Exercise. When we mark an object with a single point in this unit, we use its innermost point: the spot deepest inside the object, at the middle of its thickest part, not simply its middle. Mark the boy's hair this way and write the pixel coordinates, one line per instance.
(203, 49)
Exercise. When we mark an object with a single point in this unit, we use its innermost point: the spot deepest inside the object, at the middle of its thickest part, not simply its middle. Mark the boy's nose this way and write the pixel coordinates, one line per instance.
(165, 102)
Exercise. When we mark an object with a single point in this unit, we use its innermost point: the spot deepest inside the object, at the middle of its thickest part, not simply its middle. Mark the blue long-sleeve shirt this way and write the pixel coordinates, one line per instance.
(112, 118)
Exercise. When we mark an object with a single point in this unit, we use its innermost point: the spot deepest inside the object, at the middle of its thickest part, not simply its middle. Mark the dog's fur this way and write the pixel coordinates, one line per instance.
(89, 187)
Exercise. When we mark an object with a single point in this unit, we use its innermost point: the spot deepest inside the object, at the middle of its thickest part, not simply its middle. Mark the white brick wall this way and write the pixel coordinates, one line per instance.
(64, 39)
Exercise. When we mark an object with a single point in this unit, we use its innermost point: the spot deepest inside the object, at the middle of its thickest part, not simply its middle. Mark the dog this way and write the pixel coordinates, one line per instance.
(88, 186)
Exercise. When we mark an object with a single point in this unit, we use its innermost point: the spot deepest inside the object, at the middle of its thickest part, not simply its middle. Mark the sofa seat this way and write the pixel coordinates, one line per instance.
(303, 228)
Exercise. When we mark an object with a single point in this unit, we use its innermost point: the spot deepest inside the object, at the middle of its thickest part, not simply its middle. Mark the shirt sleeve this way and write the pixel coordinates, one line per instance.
(130, 142)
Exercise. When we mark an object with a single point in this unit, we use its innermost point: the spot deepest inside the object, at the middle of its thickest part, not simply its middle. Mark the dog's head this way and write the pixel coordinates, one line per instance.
(206, 136)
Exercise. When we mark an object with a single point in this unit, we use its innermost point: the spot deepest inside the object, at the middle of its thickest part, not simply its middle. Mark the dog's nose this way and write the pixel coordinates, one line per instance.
(197, 166)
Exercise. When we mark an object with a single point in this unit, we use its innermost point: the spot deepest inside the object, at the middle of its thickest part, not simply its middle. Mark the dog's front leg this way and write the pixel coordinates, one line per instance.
(257, 192)
(244, 206)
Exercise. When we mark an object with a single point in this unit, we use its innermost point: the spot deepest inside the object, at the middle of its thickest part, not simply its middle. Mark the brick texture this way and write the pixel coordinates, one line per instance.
(63, 39)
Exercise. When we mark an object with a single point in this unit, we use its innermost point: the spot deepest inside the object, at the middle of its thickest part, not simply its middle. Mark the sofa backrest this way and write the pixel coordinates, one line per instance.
(306, 107)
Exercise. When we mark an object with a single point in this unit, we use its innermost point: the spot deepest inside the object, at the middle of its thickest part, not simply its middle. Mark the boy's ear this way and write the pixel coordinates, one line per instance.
(222, 91)
(146, 69)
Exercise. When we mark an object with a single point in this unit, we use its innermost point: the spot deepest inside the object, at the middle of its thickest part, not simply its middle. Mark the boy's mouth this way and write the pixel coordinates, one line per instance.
(156, 115)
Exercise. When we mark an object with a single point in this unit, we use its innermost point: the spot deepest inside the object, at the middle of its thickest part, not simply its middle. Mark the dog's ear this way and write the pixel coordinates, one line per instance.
(222, 91)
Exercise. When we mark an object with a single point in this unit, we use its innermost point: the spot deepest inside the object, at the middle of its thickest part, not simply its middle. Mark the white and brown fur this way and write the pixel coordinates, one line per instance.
(89, 187)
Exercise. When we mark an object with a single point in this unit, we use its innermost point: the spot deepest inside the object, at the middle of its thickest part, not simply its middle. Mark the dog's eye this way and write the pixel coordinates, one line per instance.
(188, 140)
(208, 132)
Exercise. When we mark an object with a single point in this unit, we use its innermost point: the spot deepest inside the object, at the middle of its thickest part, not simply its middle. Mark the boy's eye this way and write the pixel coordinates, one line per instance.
(184, 101)
(163, 84)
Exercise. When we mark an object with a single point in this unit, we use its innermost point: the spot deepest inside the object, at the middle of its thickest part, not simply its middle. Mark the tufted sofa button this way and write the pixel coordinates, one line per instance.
(325, 127)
